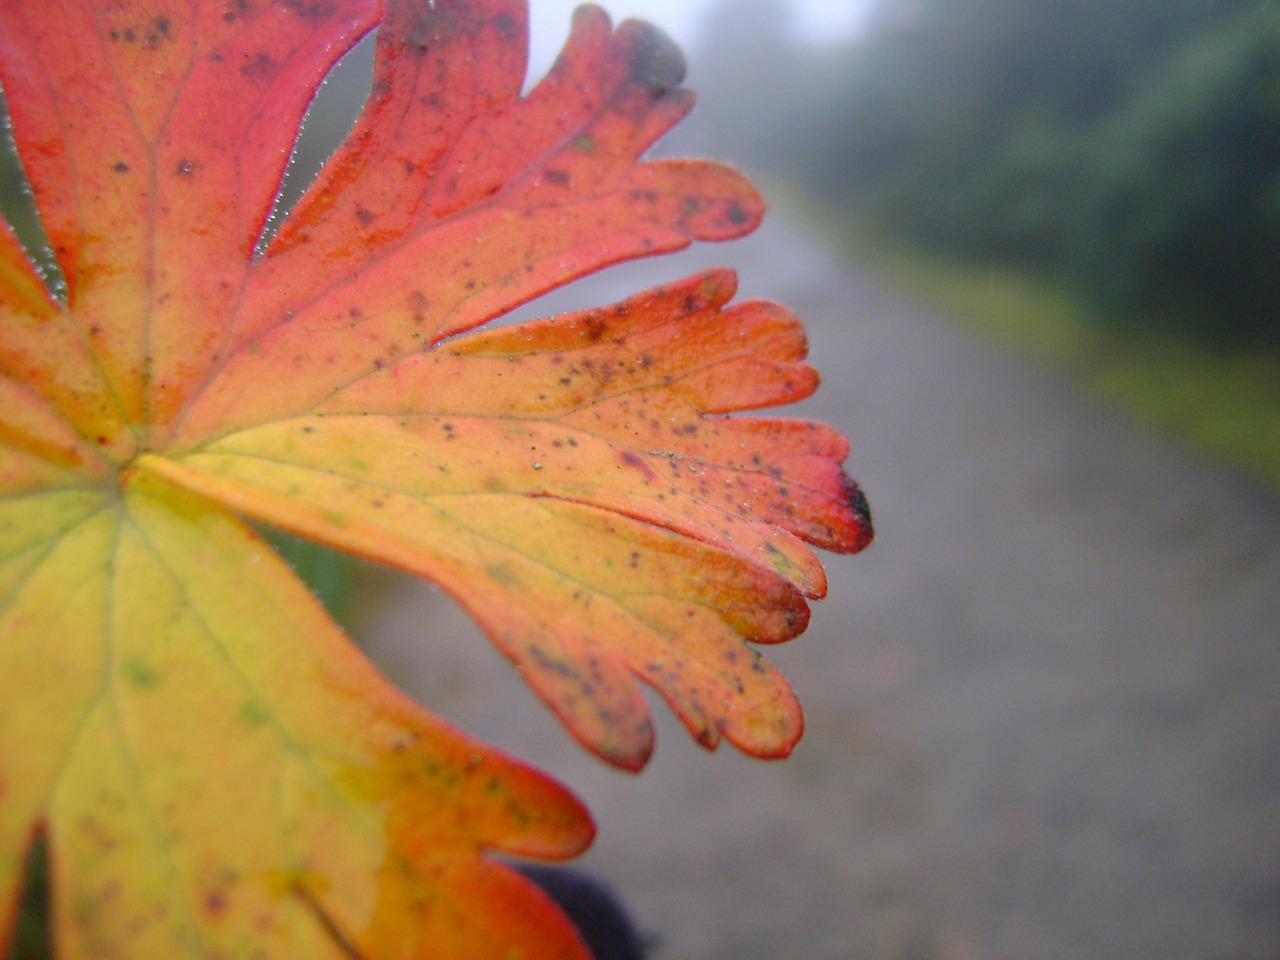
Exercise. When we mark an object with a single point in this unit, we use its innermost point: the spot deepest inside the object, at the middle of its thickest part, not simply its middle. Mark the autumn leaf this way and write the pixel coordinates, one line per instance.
(215, 769)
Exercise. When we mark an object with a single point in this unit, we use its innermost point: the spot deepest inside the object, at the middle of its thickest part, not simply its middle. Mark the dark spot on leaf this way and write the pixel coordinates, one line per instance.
(558, 177)
(635, 460)
(656, 63)
(121, 167)
(241, 8)
(506, 25)
(314, 10)
(434, 24)
(852, 495)
(158, 31)
(260, 68)
(736, 215)
(364, 216)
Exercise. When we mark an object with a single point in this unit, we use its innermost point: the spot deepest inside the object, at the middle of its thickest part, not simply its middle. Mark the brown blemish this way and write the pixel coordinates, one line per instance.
(215, 903)
(632, 459)
(506, 25)
(260, 68)
(656, 63)
(315, 10)
(157, 32)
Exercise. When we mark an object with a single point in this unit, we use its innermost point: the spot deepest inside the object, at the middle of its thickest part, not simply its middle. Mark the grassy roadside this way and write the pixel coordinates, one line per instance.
(1225, 404)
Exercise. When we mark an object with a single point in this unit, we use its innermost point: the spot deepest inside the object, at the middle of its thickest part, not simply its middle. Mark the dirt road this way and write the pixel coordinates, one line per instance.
(1043, 709)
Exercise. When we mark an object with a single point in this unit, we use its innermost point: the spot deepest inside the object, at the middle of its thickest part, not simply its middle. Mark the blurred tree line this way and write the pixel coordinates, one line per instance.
(1130, 148)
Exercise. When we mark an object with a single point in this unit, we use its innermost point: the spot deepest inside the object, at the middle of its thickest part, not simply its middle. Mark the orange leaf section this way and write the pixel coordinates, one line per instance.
(220, 773)
(155, 135)
(569, 482)
(456, 199)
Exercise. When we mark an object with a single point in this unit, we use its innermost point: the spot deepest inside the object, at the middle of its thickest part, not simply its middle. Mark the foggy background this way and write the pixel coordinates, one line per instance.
(814, 22)
(1129, 150)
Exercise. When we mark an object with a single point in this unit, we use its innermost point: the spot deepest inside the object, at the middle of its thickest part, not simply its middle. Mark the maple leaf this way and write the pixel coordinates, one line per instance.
(217, 771)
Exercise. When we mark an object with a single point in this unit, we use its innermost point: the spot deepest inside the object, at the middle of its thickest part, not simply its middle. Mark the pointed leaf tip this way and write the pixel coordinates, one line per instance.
(657, 63)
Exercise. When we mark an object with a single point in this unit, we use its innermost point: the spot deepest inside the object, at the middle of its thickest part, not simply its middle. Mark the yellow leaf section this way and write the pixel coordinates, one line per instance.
(612, 407)
(581, 599)
(220, 773)
(52, 580)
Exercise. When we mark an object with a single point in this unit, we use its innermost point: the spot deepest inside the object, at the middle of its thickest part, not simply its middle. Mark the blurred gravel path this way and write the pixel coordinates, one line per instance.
(1043, 711)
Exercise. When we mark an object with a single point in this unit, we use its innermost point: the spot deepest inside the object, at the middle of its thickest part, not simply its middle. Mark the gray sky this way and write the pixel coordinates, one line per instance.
(549, 20)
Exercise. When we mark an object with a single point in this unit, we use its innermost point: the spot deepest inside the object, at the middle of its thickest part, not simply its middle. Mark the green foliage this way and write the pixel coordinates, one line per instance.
(1183, 180)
